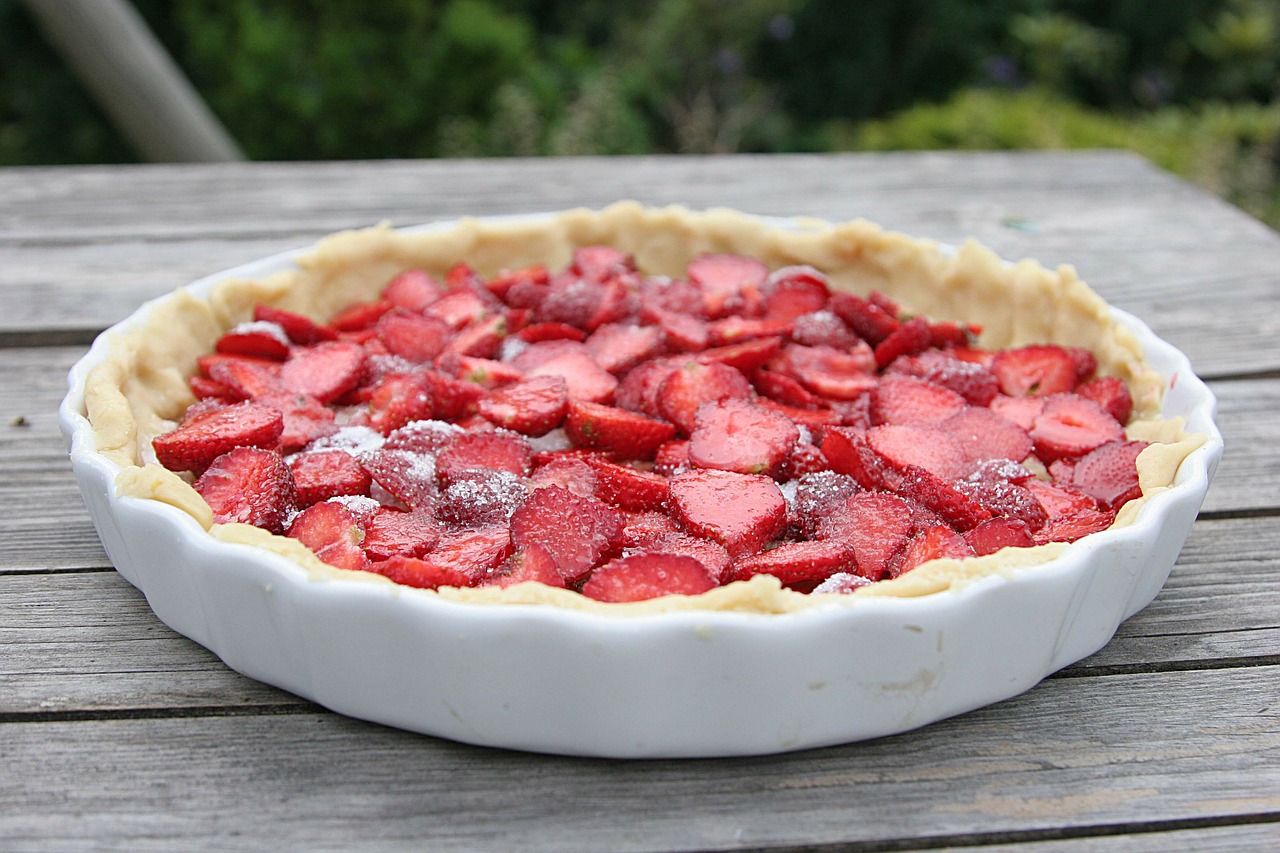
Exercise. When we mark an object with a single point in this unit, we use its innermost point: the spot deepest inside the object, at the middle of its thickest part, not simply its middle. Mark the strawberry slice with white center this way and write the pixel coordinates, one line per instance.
(740, 511)
(532, 407)
(1071, 425)
(936, 451)
(735, 435)
(571, 361)
(249, 485)
(1038, 370)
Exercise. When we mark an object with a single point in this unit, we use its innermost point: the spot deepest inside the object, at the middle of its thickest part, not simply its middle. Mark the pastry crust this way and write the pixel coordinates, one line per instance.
(141, 389)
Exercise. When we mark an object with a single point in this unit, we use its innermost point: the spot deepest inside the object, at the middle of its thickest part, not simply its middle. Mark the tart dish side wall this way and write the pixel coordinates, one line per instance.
(141, 388)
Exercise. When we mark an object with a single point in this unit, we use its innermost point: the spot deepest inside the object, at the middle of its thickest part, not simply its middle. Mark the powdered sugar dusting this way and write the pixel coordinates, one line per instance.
(261, 327)
(353, 438)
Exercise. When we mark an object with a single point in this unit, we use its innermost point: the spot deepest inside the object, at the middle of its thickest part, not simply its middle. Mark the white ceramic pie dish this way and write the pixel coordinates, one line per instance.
(671, 684)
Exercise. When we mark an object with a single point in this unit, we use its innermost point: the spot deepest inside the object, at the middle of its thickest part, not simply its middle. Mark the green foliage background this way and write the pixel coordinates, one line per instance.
(1192, 84)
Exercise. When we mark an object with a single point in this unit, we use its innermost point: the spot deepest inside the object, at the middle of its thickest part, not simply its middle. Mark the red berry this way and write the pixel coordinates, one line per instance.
(645, 576)
(193, 445)
(249, 485)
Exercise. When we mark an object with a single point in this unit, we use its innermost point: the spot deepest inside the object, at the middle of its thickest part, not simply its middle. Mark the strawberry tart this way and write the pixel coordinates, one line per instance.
(643, 409)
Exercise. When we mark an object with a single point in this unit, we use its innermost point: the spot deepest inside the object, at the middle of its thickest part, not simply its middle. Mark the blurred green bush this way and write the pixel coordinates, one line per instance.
(1192, 84)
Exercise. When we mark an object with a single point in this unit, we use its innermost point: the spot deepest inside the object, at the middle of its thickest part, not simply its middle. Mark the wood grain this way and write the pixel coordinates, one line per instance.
(303, 780)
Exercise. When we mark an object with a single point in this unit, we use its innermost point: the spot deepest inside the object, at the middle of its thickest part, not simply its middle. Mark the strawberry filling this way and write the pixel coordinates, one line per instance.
(629, 436)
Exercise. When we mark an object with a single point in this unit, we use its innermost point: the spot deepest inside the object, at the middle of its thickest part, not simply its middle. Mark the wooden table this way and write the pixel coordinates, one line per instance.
(116, 733)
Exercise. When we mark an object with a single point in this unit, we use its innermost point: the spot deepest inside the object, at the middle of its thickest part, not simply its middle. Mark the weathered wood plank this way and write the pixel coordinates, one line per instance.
(87, 642)
(1150, 244)
(1092, 757)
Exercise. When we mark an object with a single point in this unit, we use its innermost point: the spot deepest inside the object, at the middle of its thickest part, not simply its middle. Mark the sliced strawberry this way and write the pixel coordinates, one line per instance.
(360, 316)
(646, 525)
(907, 400)
(949, 334)
(1038, 370)
(942, 497)
(848, 452)
(638, 390)
(305, 419)
(616, 431)
(571, 361)
(814, 420)
(459, 307)
(568, 472)
(710, 554)
(745, 356)
(484, 372)
(683, 332)
(196, 443)
(1111, 394)
(422, 436)
(249, 485)
(795, 562)
(817, 495)
(538, 332)
(876, 525)
(904, 446)
(1071, 425)
(782, 388)
(259, 339)
(600, 262)
(972, 381)
(332, 533)
(832, 373)
(413, 290)
(618, 347)
(528, 563)
(401, 398)
(247, 378)
(584, 302)
(422, 573)
(792, 292)
(494, 451)
(805, 458)
(734, 329)
(481, 497)
(1005, 500)
(932, 543)
(412, 336)
(451, 399)
(1059, 501)
(481, 339)
(672, 457)
(204, 406)
(677, 296)
(983, 435)
(323, 474)
(1109, 474)
(628, 488)
(532, 407)
(301, 330)
(408, 477)
(645, 576)
(204, 388)
(693, 384)
(1021, 411)
(823, 328)
(912, 337)
(728, 282)
(740, 511)
(463, 276)
(735, 435)
(999, 532)
(392, 532)
(500, 285)
(1086, 363)
(326, 371)
(1069, 528)
(476, 552)
(578, 531)
(870, 321)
